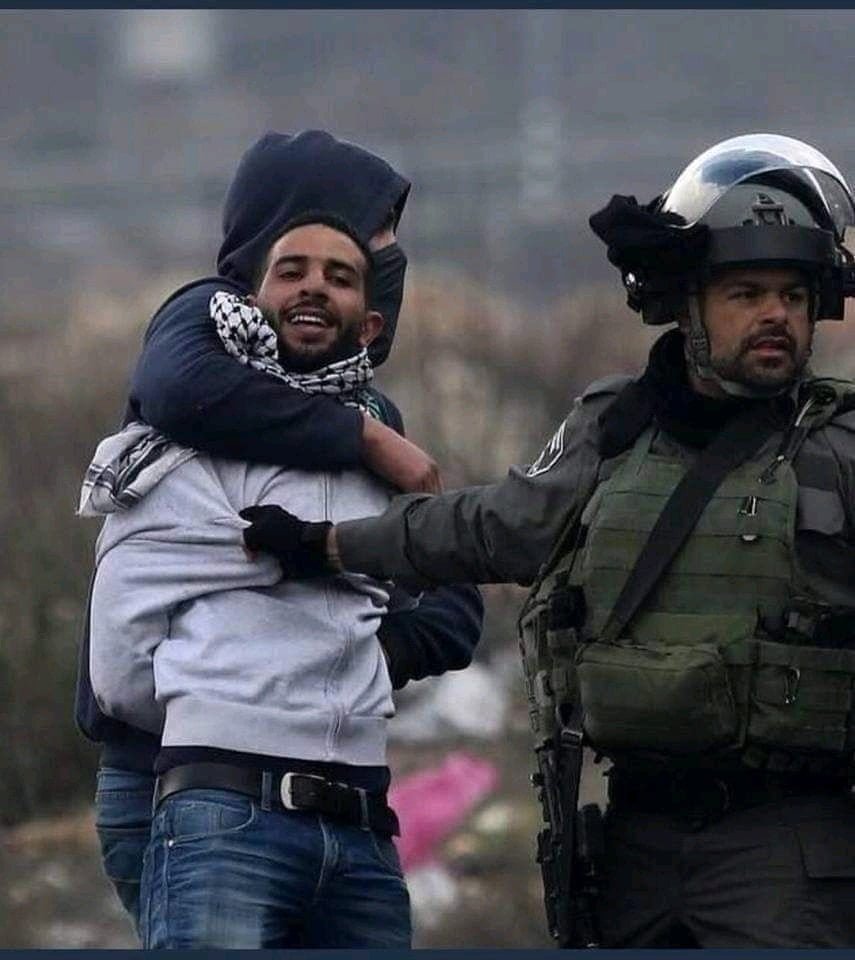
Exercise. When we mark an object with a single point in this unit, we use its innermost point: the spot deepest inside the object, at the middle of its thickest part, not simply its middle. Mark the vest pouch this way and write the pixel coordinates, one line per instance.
(565, 615)
(670, 698)
(802, 699)
(537, 670)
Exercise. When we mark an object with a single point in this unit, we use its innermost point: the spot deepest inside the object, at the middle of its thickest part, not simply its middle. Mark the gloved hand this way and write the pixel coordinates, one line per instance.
(298, 545)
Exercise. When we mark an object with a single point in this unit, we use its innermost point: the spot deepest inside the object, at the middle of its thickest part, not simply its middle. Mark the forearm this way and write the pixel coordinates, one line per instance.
(476, 535)
(439, 635)
(493, 534)
(500, 533)
(262, 423)
(189, 388)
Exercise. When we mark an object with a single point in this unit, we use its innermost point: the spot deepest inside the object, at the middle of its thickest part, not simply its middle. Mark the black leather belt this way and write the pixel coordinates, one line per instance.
(288, 791)
(703, 797)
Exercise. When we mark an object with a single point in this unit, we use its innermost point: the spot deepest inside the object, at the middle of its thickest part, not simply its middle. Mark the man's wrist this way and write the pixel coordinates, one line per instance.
(368, 436)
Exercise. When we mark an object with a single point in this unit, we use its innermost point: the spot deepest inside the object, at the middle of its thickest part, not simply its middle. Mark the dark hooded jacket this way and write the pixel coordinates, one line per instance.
(185, 385)
(188, 387)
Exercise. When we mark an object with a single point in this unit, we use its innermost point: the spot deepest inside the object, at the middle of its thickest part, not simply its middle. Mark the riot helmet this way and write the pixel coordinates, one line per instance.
(759, 199)
(795, 194)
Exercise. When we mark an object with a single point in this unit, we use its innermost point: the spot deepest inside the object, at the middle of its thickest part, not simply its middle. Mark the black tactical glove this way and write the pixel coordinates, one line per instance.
(298, 545)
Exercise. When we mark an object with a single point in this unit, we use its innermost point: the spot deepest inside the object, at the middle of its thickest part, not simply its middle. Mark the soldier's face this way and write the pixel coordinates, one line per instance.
(759, 325)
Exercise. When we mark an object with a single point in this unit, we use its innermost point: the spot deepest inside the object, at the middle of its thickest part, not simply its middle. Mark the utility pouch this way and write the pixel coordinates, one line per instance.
(802, 698)
(548, 628)
(671, 698)
(565, 615)
(537, 669)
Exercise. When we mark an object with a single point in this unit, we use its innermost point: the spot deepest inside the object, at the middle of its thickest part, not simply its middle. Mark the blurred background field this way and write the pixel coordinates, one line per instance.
(119, 131)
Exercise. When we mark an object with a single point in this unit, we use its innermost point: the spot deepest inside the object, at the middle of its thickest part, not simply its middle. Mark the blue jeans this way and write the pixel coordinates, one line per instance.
(123, 823)
(222, 872)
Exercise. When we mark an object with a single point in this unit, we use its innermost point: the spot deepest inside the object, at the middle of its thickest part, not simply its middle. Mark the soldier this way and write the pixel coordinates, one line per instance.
(688, 537)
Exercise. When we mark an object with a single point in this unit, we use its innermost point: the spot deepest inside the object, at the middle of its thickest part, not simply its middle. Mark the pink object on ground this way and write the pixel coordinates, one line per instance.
(431, 803)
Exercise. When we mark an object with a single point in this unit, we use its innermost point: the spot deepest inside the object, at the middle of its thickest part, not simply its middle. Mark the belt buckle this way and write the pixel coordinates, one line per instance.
(285, 788)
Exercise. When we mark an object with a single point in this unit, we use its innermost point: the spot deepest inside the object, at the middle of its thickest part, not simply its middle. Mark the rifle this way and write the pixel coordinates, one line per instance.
(569, 845)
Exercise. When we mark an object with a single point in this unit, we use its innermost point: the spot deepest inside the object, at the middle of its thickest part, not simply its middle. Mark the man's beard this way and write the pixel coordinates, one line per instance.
(307, 359)
(740, 367)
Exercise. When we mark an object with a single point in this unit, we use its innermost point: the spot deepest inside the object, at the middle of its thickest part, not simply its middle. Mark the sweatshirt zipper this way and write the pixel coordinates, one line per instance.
(335, 701)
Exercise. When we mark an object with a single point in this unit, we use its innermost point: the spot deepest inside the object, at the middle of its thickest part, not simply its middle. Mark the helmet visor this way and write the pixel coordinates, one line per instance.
(714, 172)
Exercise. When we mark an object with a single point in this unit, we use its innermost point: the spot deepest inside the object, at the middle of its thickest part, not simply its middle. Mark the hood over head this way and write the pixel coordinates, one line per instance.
(284, 175)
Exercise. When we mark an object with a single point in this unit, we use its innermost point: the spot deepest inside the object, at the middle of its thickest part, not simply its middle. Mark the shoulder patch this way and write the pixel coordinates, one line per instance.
(550, 455)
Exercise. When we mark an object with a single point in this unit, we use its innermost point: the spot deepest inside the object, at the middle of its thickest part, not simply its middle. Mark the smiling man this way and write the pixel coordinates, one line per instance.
(194, 384)
(313, 294)
(271, 827)
(689, 537)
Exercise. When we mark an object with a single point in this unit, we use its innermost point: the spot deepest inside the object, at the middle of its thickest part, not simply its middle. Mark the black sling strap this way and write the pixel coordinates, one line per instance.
(625, 419)
(739, 439)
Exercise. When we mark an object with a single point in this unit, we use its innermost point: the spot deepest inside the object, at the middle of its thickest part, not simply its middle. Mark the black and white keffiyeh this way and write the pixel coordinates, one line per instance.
(128, 464)
(250, 339)
(125, 466)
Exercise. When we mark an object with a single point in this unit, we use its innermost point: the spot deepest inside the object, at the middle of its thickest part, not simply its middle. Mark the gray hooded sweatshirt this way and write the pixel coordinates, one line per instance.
(192, 636)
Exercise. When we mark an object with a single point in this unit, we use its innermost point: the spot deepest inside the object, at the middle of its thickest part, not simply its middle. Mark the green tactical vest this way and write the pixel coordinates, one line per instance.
(710, 671)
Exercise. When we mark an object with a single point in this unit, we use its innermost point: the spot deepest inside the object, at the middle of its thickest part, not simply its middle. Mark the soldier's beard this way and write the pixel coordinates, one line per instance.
(746, 367)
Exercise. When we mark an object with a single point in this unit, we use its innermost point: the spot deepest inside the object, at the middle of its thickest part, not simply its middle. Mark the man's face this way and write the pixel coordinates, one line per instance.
(313, 295)
(759, 326)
